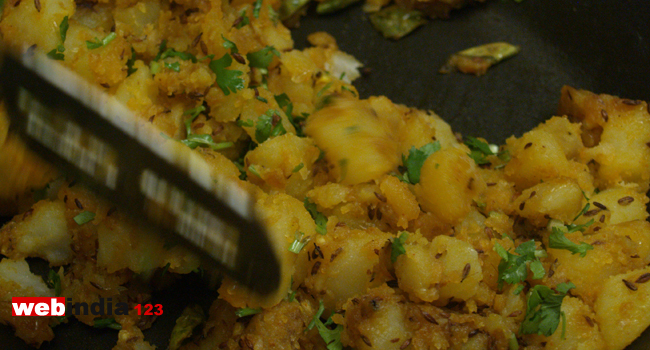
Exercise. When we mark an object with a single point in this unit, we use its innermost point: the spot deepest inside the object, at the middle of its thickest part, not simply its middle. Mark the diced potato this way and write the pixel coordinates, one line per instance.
(623, 204)
(617, 130)
(40, 232)
(401, 199)
(559, 198)
(376, 321)
(444, 269)
(285, 163)
(19, 281)
(535, 157)
(349, 265)
(16, 280)
(449, 182)
(617, 249)
(567, 135)
(284, 216)
(359, 144)
(623, 308)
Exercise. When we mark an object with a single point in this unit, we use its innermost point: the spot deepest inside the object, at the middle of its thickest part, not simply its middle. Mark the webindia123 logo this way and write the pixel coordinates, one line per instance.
(57, 306)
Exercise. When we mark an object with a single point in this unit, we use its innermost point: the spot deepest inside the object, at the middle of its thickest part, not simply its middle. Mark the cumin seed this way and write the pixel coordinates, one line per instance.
(630, 285)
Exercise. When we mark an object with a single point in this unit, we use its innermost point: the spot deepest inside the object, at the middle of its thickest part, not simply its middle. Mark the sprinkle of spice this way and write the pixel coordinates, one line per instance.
(371, 213)
(336, 253)
(600, 205)
(532, 194)
(631, 286)
(631, 102)
(528, 145)
(465, 271)
(625, 200)
(238, 57)
(591, 212)
(78, 203)
(366, 340)
(604, 114)
(602, 218)
(37, 4)
(522, 205)
(197, 39)
(405, 344)
(589, 321)
(643, 278)
(380, 196)
(314, 269)
(429, 318)
(394, 340)
(379, 214)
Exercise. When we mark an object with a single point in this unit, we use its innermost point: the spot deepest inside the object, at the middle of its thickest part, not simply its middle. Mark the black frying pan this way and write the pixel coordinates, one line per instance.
(599, 45)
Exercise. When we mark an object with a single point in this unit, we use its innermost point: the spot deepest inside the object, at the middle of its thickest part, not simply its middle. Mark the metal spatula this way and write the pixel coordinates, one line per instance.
(91, 136)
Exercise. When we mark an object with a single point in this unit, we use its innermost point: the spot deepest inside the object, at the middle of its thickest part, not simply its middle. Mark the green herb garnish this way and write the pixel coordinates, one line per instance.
(227, 79)
(106, 323)
(513, 268)
(543, 309)
(91, 45)
(319, 218)
(413, 163)
(247, 311)
(84, 217)
(397, 246)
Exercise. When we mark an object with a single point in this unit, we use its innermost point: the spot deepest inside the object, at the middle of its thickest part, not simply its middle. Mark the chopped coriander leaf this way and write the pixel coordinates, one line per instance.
(332, 337)
(254, 171)
(204, 140)
(267, 127)
(543, 309)
(229, 45)
(291, 295)
(256, 8)
(348, 89)
(284, 103)
(243, 21)
(478, 150)
(55, 55)
(165, 269)
(106, 323)
(397, 247)
(248, 123)
(299, 242)
(91, 45)
(325, 88)
(557, 240)
(513, 268)
(247, 311)
(154, 67)
(185, 56)
(415, 160)
(84, 217)
(518, 289)
(584, 210)
(262, 58)
(129, 64)
(191, 318)
(161, 49)
(227, 79)
(273, 15)
(194, 112)
(575, 228)
(63, 32)
(317, 315)
(176, 67)
(319, 218)
(298, 167)
(262, 99)
(54, 282)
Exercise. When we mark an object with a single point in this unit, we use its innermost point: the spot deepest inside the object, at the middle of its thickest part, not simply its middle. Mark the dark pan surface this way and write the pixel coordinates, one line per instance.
(599, 45)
